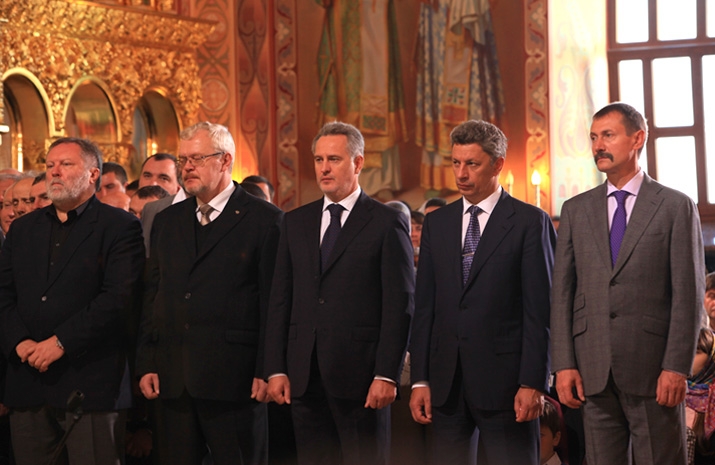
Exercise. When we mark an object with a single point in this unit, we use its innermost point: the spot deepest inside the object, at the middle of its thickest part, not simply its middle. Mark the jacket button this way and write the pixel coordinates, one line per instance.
(44, 298)
(187, 296)
(613, 315)
(321, 301)
(613, 282)
(186, 326)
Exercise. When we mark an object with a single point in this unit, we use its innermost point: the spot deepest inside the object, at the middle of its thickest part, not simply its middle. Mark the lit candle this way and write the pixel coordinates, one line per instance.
(509, 182)
(536, 181)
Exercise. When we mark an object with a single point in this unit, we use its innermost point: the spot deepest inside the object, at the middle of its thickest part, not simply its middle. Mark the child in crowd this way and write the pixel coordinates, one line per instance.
(700, 402)
(550, 424)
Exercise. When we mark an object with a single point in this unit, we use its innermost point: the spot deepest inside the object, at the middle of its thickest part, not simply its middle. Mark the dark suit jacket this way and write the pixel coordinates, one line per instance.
(641, 316)
(204, 312)
(497, 325)
(149, 213)
(356, 313)
(86, 300)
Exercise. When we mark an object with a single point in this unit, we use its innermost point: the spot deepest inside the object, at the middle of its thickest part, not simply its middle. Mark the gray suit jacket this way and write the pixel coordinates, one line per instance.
(642, 315)
(148, 213)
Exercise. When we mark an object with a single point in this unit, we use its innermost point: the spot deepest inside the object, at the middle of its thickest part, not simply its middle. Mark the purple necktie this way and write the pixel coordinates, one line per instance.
(618, 225)
(331, 234)
(471, 241)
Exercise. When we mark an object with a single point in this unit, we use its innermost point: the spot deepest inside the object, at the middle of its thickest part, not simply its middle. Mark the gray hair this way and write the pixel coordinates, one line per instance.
(489, 137)
(221, 138)
(89, 151)
(356, 143)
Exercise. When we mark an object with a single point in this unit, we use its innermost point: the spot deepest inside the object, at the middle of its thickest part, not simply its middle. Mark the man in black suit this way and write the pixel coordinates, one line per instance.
(480, 335)
(340, 309)
(69, 276)
(207, 286)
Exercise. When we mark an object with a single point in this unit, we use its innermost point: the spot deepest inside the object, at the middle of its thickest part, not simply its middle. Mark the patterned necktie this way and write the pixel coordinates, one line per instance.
(618, 225)
(205, 210)
(471, 241)
(331, 234)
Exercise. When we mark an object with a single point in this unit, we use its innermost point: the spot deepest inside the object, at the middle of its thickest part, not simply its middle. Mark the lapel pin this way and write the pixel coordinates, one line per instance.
(237, 212)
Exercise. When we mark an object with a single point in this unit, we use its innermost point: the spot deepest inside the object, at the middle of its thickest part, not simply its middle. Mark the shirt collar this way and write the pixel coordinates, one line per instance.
(180, 196)
(72, 214)
(347, 203)
(632, 186)
(487, 205)
(219, 202)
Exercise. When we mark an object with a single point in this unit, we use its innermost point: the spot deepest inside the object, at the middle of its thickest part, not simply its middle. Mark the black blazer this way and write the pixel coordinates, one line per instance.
(498, 323)
(356, 313)
(204, 312)
(86, 299)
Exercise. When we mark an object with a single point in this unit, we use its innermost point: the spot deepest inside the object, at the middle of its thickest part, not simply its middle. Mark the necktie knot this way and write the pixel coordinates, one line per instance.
(335, 209)
(205, 210)
(621, 197)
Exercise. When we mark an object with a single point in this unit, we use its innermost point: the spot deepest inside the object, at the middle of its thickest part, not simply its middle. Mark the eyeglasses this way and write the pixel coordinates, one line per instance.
(197, 161)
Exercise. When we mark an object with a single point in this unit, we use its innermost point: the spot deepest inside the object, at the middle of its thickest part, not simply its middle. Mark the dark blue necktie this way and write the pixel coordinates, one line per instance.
(331, 234)
(471, 241)
(618, 225)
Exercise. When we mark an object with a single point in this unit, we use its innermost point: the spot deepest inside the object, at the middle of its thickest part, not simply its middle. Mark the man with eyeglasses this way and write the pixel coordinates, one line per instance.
(207, 285)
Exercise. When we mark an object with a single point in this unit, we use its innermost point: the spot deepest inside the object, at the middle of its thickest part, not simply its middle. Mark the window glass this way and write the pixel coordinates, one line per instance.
(709, 107)
(672, 92)
(675, 159)
(710, 18)
(631, 21)
(676, 19)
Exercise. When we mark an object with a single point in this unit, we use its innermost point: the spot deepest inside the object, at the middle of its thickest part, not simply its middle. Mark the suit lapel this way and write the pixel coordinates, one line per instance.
(233, 213)
(311, 222)
(42, 231)
(499, 224)
(597, 215)
(359, 217)
(647, 204)
(83, 228)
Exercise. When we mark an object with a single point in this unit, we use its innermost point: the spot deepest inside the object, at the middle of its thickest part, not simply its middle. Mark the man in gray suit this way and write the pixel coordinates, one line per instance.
(627, 295)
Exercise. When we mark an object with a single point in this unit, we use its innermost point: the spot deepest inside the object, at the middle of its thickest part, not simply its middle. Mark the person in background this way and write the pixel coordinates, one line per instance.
(254, 189)
(114, 179)
(433, 204)
(22, 200)
(700, 402)
(709, 300)
(264, 184)
(417, 219)
(38, 192)
(132, 187)
(550, 427)
(143, 196)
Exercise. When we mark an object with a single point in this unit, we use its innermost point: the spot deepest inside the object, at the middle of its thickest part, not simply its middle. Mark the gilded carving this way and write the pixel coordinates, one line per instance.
(129, 50)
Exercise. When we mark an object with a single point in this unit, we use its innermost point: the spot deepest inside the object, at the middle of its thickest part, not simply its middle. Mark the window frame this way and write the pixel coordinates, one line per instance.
(647, 51)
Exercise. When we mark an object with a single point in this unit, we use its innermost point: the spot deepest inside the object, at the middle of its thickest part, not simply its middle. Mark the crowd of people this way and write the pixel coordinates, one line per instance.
(185, 319)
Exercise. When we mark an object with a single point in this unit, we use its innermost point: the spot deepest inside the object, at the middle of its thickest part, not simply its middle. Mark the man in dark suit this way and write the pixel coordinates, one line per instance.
(340, 309)
(480, 336)
(159, 170)
(69, 276)
(207, 286)
(627, 298)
